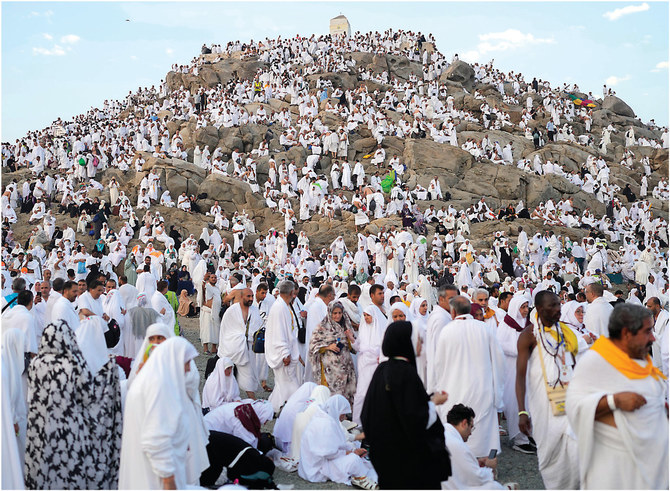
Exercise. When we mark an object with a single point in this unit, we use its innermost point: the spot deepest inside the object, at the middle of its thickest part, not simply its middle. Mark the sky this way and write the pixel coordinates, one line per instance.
(59, 59)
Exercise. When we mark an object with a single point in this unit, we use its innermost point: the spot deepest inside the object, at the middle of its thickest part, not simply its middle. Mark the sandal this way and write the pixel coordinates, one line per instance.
(266, 388)
(502, 431)
(287, 464)
(363, 483)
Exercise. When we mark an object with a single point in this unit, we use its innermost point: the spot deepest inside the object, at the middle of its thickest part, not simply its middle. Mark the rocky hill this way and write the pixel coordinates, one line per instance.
(466, 179)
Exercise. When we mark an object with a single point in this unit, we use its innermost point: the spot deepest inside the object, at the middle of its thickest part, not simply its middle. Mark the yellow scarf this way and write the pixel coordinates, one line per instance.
(569, 337)
(620, 360)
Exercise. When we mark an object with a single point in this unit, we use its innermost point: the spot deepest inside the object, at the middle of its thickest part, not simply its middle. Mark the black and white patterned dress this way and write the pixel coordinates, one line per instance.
(74, 417)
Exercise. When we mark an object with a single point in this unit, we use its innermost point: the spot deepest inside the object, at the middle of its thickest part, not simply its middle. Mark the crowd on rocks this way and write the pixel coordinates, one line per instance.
(357, 334)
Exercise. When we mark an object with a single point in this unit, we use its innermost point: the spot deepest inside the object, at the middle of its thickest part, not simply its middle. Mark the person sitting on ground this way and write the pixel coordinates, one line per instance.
(468, 472)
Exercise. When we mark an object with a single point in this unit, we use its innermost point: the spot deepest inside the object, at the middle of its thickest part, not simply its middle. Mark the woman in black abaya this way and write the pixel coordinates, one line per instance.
(400, 423)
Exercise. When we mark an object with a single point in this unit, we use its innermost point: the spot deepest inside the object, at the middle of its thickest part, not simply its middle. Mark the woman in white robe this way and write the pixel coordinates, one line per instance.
(283, 427)
(14, 386)
(319, 396)
(156, 334)
(508, 334)
(326, 452)
(419, 311)
(156, 420)
(221, 386)
(368, 347)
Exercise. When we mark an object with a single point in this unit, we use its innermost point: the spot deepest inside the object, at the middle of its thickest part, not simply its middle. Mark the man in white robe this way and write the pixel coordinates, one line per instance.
(438, 318)
(146, 282)
(64, 307)
(467, 471)
(616, 405)
(469, 365)
(237, 322)
(598, 311)
(263, 302)
(281, 346)
(556, 444)
(209, 313)
(161, 305)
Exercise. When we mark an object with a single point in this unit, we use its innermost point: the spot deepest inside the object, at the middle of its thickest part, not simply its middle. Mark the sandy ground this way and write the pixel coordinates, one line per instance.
(512, 466)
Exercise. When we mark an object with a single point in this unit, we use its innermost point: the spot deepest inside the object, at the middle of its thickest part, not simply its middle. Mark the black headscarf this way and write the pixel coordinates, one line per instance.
(395, 414)
(398, 342)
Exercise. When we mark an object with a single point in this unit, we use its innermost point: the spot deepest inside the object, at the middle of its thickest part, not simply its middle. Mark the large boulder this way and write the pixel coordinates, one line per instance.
(426, 156)
(617, 106)
(207, 135)
(401, 67)
(459, 72)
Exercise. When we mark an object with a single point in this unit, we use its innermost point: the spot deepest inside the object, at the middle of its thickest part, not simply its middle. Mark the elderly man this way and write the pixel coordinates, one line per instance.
(281, 346)
(616, 406)
(599, 310)
(238, 321)
(491, 317)
(438, 318)
(471, 345)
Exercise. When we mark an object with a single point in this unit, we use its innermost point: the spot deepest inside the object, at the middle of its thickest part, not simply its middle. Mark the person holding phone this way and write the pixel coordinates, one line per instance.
(468, 472)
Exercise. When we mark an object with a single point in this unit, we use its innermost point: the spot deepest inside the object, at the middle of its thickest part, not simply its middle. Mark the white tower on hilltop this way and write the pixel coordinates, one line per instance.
(340, 25)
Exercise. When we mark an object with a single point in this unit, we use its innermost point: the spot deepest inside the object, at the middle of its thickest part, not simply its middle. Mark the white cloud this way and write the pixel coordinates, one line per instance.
(46, 13)
(169, 51)
(614, 80)
(70, 39)
(503, 41)
(47, 36)
(55, 51)
(630, 9)
(661, 65)
(133, 57)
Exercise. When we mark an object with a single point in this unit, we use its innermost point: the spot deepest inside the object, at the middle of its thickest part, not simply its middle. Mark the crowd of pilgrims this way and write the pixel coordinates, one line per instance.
(100, 329)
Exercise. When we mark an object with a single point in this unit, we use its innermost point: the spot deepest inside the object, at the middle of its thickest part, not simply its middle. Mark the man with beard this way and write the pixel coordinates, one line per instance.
(241, 319)
(616, 405)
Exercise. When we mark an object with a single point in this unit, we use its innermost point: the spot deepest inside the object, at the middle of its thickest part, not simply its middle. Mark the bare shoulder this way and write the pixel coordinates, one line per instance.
(527, 339)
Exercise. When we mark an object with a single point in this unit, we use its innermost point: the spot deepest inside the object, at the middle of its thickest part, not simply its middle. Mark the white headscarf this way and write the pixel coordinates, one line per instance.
(284, 424)
(414, 310)
(337, 405)
(220, 388)
(568, 314)
(401, 307)
(317, 400)
(514, 306)
(157, 329)
(91, 341)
